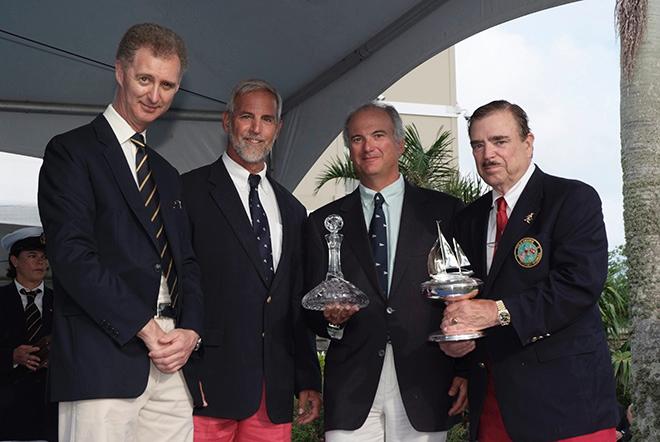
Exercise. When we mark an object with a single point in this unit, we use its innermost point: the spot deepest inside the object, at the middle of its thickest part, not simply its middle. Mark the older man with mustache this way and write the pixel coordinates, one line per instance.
(543, 371)
(247, 236)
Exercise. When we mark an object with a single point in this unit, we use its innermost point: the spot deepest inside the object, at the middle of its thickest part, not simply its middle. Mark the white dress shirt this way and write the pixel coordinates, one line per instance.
(511, 199)
(239, 177)
(38, 300)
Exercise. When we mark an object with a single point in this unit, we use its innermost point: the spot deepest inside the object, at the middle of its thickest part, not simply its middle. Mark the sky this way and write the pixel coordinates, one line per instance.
(560, 65)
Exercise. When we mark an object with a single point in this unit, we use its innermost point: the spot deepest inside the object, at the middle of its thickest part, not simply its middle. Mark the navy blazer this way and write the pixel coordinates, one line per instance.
(405, 318)
(106, 264)
(551, 366)
(254, 334)
(23, 406)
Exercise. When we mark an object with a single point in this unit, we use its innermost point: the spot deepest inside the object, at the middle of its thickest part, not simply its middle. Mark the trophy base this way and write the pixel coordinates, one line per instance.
(450, 287)
(440, 337)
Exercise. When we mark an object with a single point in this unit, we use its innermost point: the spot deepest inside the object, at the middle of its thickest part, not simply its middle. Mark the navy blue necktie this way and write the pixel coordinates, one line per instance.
(260, 226)
(378, 239)
(149, 193)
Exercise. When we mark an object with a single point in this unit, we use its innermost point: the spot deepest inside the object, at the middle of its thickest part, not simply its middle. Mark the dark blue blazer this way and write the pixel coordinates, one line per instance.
(106, 265)
(405, 318)
(254, 333)
(23, 405)
(551, 366)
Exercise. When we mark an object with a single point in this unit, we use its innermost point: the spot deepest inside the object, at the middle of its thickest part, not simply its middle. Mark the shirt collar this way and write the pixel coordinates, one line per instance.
(122, 130)
(516, 190)
(240, 175)
(393, 190)
(20, 286)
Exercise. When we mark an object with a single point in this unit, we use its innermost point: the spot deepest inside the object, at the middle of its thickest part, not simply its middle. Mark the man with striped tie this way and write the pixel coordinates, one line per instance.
(26, 311)
(128, 310)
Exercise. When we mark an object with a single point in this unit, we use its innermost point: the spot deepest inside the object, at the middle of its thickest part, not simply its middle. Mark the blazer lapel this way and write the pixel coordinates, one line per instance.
(226, 198)
(479, 237)
(519, 223)
(409, 238)
(167, 194)
(356, 237)
(286, 213)
(120, 170)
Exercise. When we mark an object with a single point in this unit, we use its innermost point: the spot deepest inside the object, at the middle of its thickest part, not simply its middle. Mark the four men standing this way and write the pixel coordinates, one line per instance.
(129, 313)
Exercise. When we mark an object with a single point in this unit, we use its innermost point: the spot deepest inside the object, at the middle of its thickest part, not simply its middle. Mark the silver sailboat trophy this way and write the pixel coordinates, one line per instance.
(334, 289)
(450, 281)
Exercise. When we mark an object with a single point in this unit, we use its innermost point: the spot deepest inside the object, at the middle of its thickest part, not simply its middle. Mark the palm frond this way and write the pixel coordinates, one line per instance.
(337, 169)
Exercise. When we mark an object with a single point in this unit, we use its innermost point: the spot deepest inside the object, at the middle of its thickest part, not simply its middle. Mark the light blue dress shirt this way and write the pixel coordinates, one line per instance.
(393, 195)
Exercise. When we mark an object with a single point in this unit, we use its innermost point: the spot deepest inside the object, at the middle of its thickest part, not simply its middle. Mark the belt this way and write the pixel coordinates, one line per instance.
(165, 310)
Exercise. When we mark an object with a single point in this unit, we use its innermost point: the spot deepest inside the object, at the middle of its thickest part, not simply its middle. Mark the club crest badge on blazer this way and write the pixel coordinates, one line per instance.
(528, 252)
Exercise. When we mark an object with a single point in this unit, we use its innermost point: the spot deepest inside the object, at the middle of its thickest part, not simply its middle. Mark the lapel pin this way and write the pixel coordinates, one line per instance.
(176, 204)
(529, 218)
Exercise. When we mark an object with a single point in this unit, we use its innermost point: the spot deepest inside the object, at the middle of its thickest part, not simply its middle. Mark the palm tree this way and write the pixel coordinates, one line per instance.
(431, 167)
(639, 31)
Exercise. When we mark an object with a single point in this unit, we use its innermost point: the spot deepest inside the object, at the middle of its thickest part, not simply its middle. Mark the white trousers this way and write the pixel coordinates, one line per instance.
(163, 413)
(387, 420)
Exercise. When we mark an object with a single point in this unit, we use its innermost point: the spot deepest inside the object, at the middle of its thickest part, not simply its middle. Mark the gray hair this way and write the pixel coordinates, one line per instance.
(251, 85)
(399, 133)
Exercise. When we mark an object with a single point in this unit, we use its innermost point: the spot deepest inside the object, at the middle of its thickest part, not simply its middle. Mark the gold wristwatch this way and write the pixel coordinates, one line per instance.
(502, 313)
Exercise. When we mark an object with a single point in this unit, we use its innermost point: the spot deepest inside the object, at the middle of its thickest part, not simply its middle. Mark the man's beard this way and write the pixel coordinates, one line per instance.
(250, 153)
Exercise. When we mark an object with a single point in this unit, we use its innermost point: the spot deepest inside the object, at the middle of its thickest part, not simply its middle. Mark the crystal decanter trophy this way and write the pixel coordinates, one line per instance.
(450, 281)
(334, 289)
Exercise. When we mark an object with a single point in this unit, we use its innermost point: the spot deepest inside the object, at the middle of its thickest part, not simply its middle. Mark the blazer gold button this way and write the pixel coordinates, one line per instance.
(481, 365)
(389, 310)
(268, 300)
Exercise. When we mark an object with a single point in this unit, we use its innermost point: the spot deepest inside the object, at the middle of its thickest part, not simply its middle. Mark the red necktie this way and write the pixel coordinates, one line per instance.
(501, 218)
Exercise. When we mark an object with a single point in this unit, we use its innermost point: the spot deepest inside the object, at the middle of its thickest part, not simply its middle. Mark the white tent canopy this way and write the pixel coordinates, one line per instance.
(324, 56)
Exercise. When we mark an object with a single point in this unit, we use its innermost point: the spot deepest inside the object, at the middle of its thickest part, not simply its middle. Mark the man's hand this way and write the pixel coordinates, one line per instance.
(469, 316)
(338, 313)
(309, 406)
(24, 355)
(457, 349)
(175, 349)
(458, 389)
(150, 334)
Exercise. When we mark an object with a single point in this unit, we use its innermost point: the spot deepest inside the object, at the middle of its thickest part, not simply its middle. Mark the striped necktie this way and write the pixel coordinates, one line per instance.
(378, 239)
(32, 315)
(149, 192)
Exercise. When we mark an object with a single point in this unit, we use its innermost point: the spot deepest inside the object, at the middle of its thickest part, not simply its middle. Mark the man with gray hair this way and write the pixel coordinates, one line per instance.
(246, 231)
(383, 380)
(128, 304)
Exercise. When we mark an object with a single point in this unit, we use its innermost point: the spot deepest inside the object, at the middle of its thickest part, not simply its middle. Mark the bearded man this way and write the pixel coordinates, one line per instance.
(246, 231)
